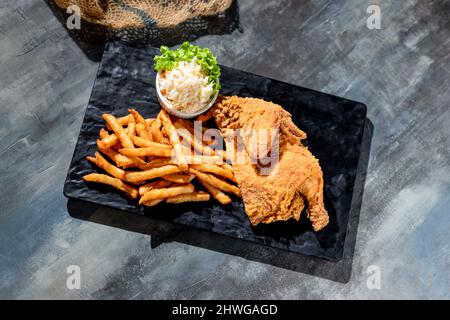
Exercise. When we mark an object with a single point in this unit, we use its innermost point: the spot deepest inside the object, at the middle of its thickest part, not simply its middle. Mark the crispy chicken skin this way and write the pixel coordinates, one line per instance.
(280, 193)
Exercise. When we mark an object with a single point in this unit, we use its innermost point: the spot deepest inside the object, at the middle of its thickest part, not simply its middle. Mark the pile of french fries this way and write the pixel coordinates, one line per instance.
(147, 160)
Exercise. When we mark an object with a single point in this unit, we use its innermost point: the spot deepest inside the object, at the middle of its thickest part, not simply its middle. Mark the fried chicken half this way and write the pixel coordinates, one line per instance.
(275, 191)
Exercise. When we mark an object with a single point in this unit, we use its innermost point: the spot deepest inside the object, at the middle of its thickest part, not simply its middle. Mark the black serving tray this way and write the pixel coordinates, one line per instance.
(334, 125)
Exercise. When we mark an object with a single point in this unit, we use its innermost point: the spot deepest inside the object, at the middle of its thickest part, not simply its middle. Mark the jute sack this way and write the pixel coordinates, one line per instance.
(125, 14)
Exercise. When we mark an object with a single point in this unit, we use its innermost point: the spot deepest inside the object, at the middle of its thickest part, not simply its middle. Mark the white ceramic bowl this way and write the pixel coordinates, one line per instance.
(166, 105)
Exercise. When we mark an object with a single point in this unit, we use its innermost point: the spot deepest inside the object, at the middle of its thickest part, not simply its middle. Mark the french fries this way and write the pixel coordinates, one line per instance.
(152, 173)
(227, 166)
(142, 127)
(202, 147)
(205, 116)
(131, 129)
(174, 139)
(123, 121)
(197, 159)
(147, 151)
(179, 177)
(157, 184)
(118, 130)
(141, 142)
(217, 170)
(103, 134)
(145, 159)
(137, 117)
(152, 203)
(156, 132)
(108, 167)
(120, 160)
(159, 162)
(166, 192)
(216, 182)
(109, 140)
(114, 182)
(142, 133)
(216, 193)
(189, 197)
(135, 162)
(189, 138)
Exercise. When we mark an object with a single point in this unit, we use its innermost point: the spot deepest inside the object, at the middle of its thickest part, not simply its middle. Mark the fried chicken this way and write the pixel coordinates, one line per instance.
(276, 191)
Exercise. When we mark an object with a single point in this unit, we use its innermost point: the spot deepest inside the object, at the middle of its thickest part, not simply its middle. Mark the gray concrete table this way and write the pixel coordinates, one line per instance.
(401, 71)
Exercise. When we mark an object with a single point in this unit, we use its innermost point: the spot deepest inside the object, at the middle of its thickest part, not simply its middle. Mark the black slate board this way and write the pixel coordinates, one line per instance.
(334, 126)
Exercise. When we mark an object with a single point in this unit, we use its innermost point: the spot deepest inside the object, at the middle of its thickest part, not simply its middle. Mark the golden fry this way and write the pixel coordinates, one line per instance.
(207, 139)
(212, 138)
(120, 160)
(174, 139)
(118, 130)
(206, 146)
(142, 132)
(137, 116)
(110, 140)
(216, 193)
(135, 139)
(144, 125)
(136, 162)
(108, 167)
(166, 192)
(131, 129)
(215, 169)
(157, 184)
(103, 134)
(147, 151)
(179, 177)
(187, 151)
(152, 203)
(165, 133)
(223, 154)
(140, 142)
(159, 162)
(114, 182)
(189, 125)
(151, 173)
(228, 167)
(189, 197)
(216, 182)
(154, 163)
(155, 130)
(149, 121)
(198, 159)
(205, 116)
(186, 129)
(123, 121)
(190, 139)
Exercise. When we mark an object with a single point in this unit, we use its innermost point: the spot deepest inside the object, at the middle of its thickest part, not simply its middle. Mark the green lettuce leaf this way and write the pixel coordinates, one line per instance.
(168, 59)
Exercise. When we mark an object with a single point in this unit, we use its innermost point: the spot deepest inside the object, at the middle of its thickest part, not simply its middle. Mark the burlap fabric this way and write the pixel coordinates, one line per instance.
(120, 14)
(154, 22)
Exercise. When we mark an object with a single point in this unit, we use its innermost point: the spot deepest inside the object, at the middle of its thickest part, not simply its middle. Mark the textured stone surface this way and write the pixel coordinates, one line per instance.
(400, 72)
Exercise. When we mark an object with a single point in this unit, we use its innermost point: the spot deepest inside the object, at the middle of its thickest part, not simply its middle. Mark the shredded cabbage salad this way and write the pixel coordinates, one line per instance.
(189, 76)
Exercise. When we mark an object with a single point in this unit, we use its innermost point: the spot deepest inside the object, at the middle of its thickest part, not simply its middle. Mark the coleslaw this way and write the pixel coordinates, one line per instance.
(188, 76)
